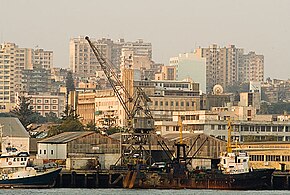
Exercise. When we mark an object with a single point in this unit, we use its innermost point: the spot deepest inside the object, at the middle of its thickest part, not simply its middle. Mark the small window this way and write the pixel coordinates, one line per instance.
(51, 152)
(44, 151)
(39, 151)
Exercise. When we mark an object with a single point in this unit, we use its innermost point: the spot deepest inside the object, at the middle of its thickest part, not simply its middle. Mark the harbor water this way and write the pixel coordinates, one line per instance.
(76, 191)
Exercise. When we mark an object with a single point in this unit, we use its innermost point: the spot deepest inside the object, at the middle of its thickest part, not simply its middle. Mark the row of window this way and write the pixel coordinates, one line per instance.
(45, 107)
(44, 152)
(46, 101)
(274, 158)
(172, 103)
(254, 128)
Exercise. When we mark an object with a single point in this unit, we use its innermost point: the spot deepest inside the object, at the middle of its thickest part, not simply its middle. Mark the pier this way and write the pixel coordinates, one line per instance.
(90, 179)
(114, 179)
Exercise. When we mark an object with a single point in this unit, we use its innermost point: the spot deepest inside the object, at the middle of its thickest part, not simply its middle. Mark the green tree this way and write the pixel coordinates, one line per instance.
(69, 123)
(70, 86)
(91, 126)
(24, 112)
(52, 117)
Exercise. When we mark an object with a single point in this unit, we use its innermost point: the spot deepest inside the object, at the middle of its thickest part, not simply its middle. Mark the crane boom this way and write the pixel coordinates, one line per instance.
(112, 78)
(139, 100)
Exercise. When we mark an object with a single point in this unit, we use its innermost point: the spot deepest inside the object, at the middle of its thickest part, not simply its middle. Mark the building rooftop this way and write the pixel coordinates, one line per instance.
(66, 137)
(12, 127)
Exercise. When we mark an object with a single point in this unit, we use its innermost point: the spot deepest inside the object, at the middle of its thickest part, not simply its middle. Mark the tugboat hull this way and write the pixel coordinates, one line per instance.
(45, 179)
(257, 179)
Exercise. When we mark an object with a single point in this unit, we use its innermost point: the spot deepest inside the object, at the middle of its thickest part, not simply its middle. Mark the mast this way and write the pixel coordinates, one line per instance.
(1, 135)
(229, 144)
(180, 130)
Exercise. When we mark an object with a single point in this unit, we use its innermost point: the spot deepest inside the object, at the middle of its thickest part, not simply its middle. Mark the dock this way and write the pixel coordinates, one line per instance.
(90, 179)
(114, 179)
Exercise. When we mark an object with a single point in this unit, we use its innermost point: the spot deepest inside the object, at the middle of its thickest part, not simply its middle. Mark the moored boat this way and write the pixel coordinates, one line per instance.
(233, 173)
(15, 172)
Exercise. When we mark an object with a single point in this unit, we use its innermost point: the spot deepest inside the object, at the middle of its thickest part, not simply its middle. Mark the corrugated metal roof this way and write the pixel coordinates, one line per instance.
(66, 137)
(12, 127)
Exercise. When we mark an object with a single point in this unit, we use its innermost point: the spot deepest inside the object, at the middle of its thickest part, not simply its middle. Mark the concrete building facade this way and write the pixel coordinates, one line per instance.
(190, 65)
(46, 103)
(251, 68)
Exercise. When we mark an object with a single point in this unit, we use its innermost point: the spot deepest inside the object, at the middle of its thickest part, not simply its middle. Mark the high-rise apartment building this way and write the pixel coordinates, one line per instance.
(83, 62)
(36, 81)
(221, 65)
(228, 66)
(251, 68)
(13, 61)
(139, 48)
(43, 58)
(8, 53)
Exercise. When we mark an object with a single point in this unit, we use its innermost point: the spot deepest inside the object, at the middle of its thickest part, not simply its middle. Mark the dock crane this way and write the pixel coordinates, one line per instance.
(136, 106)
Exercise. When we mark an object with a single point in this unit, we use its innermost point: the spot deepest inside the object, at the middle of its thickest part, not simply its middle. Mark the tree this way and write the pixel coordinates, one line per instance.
(70, 86)
(52, 117)
(91, 126)
(69, 123)
(24, 112)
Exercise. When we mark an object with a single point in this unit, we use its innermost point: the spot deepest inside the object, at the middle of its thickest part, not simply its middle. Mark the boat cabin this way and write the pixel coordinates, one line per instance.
(234, 163)
(14, 160)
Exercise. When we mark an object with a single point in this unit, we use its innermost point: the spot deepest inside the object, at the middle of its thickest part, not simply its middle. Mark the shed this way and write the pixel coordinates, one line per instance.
(14, 134)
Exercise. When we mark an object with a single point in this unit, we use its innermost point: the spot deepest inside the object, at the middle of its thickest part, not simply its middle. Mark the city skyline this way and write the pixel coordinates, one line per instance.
(172, 28)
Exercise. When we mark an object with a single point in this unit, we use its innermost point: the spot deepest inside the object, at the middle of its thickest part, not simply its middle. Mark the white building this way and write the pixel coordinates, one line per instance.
(190, 65)
(13, 135)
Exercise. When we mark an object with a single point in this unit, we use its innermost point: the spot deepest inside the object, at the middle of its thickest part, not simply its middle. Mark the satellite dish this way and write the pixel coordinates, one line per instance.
(217, 89)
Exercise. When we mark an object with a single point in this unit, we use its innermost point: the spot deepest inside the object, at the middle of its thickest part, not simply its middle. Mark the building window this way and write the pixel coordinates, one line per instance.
(161, 103)
(156, 103)
(212, 127)
(182, 104)
(44, 151)
(171, 103)
(46, 101)
(38, 101)
(176, 103)
(187, 103)
(46, 107)
(39, 151)
(51, 152)
(38, 107)
(54, 101)
(166, 103)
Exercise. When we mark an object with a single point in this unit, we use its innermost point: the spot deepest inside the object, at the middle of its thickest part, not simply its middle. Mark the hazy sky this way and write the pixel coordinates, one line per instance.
(172, 26)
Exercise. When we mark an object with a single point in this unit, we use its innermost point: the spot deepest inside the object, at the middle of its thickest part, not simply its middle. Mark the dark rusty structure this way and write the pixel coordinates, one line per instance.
(176, 175)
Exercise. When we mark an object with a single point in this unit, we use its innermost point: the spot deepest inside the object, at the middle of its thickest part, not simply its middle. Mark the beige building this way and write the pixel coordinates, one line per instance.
(221, 64)
(13, 60)
(43, 58)
(47, 103)
(83, 62)
(86, 107)
(166, 73)
(270, 154)
(8, 53)
(251, 68)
